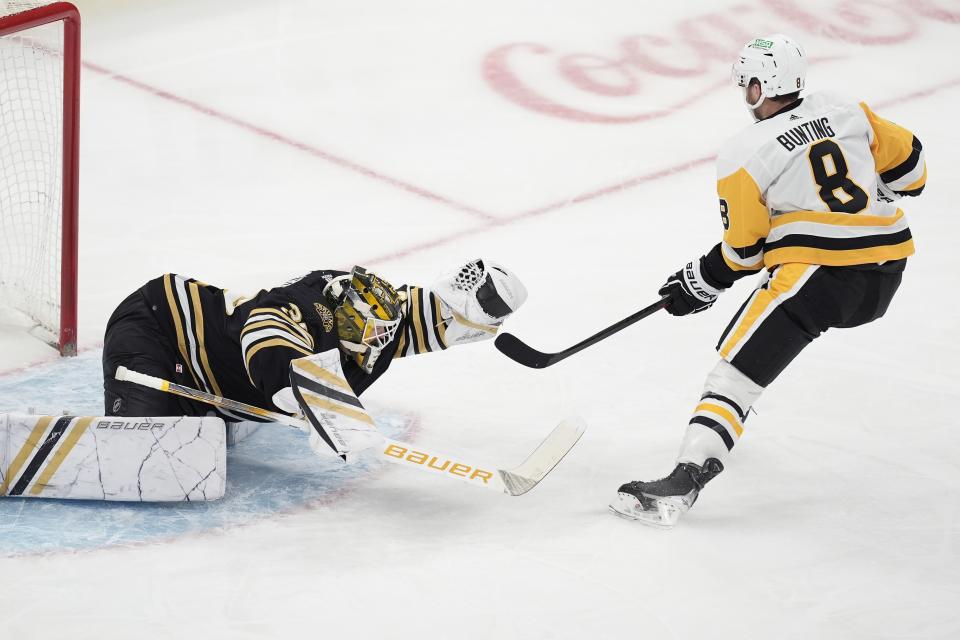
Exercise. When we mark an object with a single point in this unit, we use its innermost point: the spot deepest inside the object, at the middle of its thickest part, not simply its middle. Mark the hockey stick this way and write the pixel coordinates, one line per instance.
(519, 351)
(513, 482)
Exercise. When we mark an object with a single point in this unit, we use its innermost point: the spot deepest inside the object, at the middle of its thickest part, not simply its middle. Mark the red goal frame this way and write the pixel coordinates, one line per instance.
(13, 23)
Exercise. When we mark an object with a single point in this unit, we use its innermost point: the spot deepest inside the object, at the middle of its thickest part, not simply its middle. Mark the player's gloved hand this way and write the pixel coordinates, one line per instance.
(689, 291)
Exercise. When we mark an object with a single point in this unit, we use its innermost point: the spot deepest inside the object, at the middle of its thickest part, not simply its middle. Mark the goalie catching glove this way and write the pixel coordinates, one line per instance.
(476, 299)
(690, 290)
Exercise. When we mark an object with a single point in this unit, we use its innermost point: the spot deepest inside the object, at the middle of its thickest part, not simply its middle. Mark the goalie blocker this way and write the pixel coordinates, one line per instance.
(107, 458)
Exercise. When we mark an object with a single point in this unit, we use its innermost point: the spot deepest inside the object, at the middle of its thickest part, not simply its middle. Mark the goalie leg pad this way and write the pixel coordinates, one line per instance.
(107, 458)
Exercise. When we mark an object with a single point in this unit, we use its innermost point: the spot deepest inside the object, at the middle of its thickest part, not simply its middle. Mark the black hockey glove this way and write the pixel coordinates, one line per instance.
(689, 291)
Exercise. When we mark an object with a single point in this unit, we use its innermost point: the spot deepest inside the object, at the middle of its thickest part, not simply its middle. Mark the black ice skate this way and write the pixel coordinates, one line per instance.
(660, 503)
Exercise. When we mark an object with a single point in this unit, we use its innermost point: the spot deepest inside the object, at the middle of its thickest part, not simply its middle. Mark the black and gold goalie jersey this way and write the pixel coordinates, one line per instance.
(241, 348)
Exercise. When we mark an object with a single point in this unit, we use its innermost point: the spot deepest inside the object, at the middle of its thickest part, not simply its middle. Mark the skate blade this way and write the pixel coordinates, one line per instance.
(665, 517)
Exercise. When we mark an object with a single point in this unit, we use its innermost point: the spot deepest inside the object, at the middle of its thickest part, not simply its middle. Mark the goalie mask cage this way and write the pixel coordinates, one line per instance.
(39, 153)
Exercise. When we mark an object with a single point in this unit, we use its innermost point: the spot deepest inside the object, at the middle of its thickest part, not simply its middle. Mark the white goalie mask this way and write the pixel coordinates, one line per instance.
(777, 62)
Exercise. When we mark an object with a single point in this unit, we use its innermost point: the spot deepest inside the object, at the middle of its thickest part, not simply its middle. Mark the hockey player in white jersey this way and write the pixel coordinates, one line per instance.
(808, 195)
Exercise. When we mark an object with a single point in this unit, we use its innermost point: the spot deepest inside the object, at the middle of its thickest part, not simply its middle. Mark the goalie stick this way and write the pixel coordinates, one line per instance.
(519, 351)
(513, 482)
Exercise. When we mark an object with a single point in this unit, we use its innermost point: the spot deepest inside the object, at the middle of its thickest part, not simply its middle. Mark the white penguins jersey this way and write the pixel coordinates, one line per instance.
(802, 186)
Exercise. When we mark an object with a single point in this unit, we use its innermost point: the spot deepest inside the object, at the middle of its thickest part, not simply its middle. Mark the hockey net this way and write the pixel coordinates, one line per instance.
(39, 96)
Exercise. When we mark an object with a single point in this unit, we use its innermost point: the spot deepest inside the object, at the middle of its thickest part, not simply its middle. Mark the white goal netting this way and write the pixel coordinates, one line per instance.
(31, 178)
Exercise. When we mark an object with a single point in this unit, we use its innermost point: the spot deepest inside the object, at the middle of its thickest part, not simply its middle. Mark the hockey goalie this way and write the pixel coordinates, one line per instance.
(306, 349)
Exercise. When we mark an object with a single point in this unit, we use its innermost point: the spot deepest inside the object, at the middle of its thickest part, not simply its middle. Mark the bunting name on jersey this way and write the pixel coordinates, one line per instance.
(806, 133)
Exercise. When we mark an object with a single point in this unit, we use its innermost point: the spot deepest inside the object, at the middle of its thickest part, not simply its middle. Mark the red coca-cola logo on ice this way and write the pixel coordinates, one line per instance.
(684, 60)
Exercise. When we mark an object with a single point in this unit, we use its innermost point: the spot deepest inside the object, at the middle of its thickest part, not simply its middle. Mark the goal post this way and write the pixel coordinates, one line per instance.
(39, 166)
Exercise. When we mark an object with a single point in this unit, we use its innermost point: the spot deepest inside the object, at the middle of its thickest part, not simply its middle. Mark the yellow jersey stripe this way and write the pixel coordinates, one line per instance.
(276, 324)
(281, 317)
(785, 280)
(840, 258)
(401, 345)
(273, 342)
(723, 413)
(837, 219)
(267, 323)
(415, 298)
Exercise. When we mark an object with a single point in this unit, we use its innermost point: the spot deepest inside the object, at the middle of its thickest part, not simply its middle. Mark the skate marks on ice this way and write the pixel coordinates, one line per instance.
(271, 472)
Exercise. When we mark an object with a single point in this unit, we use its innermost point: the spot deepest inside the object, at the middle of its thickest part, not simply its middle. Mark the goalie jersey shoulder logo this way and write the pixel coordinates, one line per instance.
(326, 316)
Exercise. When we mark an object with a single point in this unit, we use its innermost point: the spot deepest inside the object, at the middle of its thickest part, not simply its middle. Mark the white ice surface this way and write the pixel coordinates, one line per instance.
(217, 138)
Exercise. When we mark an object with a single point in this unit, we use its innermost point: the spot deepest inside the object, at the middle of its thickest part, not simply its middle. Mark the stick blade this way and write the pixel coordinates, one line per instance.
(519, 351)
(526, 476)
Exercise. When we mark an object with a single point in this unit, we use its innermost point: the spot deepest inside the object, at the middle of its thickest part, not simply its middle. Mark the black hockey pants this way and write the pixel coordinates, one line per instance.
(795, 305)
(134, 339)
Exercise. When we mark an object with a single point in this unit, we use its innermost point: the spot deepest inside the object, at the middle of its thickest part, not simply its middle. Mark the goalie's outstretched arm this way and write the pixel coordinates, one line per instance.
(463, 306)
